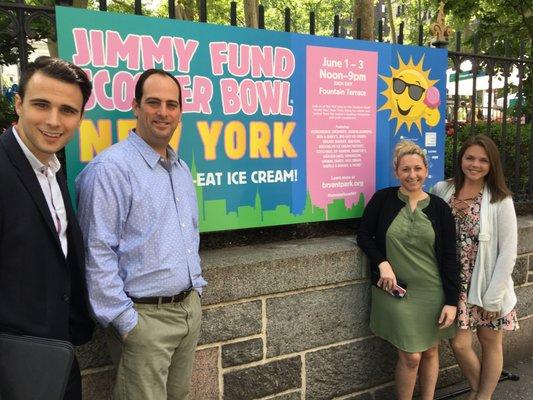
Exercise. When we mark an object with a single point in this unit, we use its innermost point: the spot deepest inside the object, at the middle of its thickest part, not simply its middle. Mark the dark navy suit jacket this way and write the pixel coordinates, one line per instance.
(41, 293)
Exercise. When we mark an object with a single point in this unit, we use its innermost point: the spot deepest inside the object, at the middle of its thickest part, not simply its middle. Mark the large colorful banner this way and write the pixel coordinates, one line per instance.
(278, 128)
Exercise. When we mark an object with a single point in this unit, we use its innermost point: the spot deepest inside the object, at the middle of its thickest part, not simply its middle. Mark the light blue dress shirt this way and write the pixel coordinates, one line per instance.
(139, 218)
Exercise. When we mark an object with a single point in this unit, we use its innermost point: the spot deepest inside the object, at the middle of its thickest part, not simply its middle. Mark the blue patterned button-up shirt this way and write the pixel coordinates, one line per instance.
(139, 218)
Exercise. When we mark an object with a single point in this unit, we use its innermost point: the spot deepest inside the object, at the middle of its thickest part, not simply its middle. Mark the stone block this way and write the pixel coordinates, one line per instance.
(263, 380)
(98, 384)
(450, 381)
(288, 396)
(517, 344)
(520, 270)
(360, 396)
(242, 352)
(524, 304)
(450, 376)
(385, 392)
(525, 234)
(307, 320)
(243, 272)
(446, 357)
(204, 381)
(530, 271)
(94, 353)
(348, 368)
(231, 322)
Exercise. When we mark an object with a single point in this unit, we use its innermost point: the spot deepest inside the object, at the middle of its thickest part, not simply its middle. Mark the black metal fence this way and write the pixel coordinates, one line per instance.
(507, 119)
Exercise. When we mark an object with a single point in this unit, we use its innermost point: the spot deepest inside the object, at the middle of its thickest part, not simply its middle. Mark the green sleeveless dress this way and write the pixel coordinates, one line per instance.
(411, 323)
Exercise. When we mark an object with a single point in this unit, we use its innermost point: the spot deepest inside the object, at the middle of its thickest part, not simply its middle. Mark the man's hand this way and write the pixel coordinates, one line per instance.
(447, 316)
(387, 278)
(124, 337)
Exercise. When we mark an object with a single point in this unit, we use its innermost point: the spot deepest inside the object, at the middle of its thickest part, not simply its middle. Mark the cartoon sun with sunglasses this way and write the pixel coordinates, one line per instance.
(411, 95)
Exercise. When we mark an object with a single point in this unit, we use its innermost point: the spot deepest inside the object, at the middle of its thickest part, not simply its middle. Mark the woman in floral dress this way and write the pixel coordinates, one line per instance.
(486, 244)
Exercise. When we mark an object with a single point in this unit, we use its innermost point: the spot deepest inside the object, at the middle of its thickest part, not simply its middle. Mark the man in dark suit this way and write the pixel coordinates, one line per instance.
(42, 276)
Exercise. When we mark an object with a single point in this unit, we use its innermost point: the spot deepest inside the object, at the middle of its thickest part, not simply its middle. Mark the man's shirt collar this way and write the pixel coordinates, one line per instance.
(151, 156)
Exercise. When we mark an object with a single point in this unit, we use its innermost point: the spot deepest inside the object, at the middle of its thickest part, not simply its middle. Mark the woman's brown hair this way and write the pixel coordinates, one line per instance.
(495, 179)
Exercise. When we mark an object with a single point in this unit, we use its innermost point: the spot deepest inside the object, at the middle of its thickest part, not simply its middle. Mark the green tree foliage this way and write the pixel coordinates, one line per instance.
(7, 113)
(413, 13)
(418, 13)
(300, 9)
(499, 27)
(493, 22)
(8, 51)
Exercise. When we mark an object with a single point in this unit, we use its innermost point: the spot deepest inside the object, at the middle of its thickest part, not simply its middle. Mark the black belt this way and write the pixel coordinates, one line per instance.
(162, 299)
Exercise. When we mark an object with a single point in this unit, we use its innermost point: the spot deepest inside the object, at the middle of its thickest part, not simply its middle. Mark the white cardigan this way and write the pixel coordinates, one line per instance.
(491, 286)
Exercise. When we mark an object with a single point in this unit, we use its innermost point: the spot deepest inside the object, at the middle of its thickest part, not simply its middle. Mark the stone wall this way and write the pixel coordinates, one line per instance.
(289, 321)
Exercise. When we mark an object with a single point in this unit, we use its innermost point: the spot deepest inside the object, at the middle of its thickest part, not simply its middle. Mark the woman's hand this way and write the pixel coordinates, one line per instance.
(447, 316)
(487, 315)
(387, 279)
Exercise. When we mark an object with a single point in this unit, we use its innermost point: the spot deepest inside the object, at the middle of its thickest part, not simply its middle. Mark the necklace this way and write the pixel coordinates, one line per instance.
(461, 206)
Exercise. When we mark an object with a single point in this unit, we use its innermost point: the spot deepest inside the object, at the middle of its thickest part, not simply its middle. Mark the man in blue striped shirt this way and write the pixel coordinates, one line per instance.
(138, 212)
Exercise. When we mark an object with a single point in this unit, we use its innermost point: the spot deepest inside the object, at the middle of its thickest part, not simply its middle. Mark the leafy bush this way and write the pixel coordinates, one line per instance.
(7, 113)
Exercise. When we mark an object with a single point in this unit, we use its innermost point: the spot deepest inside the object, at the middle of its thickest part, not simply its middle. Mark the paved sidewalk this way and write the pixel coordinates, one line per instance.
(506, 390)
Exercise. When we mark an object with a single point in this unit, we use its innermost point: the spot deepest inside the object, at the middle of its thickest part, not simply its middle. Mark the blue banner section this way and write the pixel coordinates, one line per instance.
(278, 128)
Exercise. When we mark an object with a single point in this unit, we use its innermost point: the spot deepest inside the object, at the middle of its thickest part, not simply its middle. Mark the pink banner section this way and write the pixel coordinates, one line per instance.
(341, 124)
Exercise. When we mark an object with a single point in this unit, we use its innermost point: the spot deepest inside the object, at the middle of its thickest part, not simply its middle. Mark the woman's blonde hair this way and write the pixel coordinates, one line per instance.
(404, 148)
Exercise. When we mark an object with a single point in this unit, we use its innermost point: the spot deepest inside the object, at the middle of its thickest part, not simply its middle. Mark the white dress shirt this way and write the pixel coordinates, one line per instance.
(46, 175)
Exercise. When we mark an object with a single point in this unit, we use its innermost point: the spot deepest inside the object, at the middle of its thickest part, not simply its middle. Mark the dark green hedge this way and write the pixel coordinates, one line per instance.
(7, 113)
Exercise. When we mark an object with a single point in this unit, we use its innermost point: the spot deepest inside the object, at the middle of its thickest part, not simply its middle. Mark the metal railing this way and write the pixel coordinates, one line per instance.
(510, 125)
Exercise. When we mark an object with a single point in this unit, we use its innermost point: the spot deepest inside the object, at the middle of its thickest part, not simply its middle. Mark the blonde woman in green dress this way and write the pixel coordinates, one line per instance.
(408, 234)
